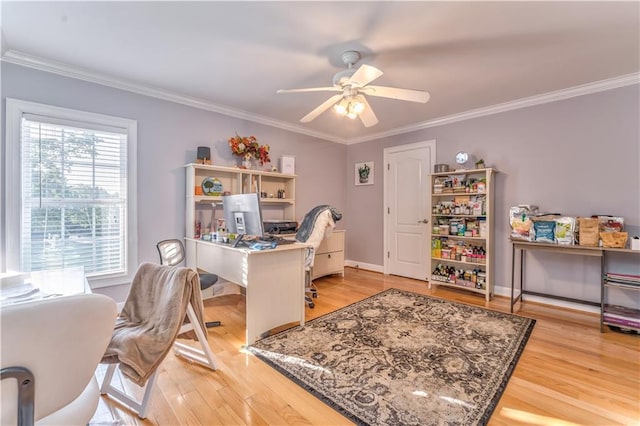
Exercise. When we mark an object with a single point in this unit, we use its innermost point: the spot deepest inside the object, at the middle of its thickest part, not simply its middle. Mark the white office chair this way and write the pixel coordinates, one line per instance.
(50, 351)
(317, 225)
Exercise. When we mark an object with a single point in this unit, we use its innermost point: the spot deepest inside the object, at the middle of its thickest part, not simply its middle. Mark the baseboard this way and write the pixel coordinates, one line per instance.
(497, 290)
(506, 292)
(365, 266)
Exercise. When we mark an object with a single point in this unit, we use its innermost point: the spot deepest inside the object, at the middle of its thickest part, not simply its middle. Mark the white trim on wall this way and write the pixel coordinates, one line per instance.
(31, 61)
(47, 65)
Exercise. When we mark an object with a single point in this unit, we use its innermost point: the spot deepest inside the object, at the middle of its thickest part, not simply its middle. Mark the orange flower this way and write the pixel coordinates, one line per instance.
(248, 148)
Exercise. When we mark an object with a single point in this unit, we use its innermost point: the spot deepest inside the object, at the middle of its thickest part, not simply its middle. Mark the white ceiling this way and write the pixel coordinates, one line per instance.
(231, 57)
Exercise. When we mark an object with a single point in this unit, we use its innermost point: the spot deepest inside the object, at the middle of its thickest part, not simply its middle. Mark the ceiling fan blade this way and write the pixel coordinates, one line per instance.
(395, 93)
(367, 116)
(364, 75)
(311, 89)
(322, 108)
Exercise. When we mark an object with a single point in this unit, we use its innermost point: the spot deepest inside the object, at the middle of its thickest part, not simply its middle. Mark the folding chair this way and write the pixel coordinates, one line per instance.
(203, 355)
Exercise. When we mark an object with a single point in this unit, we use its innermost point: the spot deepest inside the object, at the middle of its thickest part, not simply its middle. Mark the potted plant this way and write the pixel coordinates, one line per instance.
(480, 164)
(364, 171)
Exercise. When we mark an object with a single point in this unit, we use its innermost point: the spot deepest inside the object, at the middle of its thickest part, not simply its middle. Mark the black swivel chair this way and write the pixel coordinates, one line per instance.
(172, 253)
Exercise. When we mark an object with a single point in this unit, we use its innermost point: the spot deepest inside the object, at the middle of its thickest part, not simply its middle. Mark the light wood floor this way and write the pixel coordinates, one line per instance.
(569, 373)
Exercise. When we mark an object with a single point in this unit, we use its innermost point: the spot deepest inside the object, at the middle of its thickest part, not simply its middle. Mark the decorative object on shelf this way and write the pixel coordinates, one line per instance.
(364, 173)
(247, 163)
(212, 186)
(288, 164)
(440, 168)
(480, 164)
(204, 155)
(463, 159)
(248, 148)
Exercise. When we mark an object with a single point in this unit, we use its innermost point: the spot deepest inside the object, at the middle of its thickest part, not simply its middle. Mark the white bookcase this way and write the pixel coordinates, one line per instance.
(237, 181)
(462, 232)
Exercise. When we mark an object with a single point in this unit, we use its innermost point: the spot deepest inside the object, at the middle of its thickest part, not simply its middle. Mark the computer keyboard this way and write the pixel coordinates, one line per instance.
(281, 241)
(278, 240)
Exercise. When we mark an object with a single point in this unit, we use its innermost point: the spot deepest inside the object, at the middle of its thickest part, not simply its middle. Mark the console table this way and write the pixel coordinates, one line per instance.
(600, 252)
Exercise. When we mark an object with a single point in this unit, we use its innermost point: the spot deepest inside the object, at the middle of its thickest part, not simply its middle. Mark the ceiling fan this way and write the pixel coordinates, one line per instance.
(354, 85)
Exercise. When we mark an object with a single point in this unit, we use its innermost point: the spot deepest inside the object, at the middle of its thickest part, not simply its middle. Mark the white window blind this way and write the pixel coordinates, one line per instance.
(74, 196)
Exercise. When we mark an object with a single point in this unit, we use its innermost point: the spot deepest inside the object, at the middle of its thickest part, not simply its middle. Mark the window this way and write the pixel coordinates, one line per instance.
(75, 196)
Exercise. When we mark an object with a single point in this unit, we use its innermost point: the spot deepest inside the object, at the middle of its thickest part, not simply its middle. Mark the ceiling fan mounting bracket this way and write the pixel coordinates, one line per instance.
(350, 57)
(341, 77)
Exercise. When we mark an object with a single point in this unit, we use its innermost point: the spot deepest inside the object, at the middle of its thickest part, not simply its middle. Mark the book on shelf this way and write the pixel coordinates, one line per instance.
(621, 321)
(623, 278)
(616, 311)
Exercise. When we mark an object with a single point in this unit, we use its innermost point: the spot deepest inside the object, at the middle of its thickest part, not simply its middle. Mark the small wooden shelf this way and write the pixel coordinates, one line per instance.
(458, 237)
(468, 216)
(475, 290)
(455, 194)
(277, 200)
(442, 259)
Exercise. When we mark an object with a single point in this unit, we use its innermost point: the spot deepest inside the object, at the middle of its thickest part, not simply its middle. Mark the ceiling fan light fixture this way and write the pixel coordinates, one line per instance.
(358, 104)
(341, 107)
(349, 107)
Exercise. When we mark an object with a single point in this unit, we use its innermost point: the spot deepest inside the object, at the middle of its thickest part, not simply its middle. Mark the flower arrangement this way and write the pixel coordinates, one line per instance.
(248, 148)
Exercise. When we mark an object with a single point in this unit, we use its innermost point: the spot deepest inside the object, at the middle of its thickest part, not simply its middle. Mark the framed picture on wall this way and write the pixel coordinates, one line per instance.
(364, 173)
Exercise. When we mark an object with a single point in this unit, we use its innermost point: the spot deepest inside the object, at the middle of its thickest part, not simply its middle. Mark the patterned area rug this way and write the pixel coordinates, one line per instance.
(399, 358)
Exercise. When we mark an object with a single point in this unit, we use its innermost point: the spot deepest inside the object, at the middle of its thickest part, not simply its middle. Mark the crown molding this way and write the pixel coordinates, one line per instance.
(571, 92)
(23, 59)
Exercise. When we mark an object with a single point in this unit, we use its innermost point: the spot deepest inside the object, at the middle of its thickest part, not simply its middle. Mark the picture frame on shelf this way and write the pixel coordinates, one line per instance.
(364, 173)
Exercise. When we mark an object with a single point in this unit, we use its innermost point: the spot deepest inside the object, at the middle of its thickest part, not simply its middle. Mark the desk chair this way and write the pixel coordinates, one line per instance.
(316, 225)
(160, 299)
(49, 353)
(172, 253)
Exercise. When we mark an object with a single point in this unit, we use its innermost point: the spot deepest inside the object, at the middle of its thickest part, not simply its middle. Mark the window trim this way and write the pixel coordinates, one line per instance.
(15, 108)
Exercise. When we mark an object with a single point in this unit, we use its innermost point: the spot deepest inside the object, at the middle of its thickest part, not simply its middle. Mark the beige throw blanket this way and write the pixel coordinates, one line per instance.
(151, 318)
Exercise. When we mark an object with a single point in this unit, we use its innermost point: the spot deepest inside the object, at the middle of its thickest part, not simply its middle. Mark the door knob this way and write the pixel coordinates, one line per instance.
(423, 221)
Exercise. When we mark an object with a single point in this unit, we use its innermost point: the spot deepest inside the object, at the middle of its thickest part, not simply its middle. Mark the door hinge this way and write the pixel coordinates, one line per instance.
(388, 166)
(388, 210)
(388, 255)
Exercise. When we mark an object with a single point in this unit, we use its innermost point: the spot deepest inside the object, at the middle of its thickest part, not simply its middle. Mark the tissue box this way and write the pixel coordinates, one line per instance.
(635, 244)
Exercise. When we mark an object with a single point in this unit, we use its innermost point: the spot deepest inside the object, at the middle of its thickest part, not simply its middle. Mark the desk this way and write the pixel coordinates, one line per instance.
(523, 246)
(274, 280)
(600, 252)
(38, 285)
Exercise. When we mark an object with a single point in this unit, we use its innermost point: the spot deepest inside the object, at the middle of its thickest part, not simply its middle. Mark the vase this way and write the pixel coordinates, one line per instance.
(247, 163)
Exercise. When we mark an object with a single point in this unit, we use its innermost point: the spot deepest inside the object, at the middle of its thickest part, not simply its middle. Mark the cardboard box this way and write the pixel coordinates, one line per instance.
(288, 164)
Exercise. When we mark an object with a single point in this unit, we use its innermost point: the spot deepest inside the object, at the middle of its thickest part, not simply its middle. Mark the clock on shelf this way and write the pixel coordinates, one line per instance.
(463, 159)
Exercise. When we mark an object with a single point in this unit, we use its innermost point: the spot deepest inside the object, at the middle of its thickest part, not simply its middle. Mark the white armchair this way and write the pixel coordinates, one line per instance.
(50, 351)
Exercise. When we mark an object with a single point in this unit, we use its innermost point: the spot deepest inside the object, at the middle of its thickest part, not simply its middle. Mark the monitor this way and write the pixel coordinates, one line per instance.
(243, 215)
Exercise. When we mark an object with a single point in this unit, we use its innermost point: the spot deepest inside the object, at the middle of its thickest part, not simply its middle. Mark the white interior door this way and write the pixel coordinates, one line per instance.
(407, 200)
